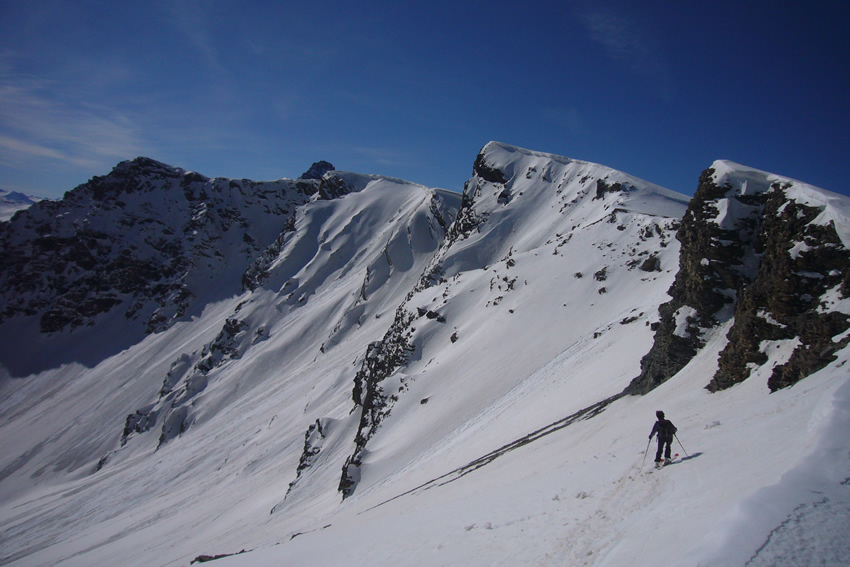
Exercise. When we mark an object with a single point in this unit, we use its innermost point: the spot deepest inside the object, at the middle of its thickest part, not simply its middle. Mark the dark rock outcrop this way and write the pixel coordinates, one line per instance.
(755, 254)
(317, 170)
(139, 421)
(332, 187)
(711, 263)
(602, 188)
(314, 439)
(486, 171)
(382, 359)
(783, 300)
(135, 239)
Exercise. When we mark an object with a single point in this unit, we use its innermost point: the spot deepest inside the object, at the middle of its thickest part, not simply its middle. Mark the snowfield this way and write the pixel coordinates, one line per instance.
(503, 438)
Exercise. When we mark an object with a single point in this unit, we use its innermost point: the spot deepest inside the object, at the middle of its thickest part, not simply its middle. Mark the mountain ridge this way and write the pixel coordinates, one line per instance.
(373, 335)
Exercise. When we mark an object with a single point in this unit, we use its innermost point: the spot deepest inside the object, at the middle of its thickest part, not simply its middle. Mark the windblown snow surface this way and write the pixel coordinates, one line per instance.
(485, 456)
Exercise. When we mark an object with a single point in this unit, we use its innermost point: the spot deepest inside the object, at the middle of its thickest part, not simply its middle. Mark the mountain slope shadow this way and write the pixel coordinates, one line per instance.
(25, 351)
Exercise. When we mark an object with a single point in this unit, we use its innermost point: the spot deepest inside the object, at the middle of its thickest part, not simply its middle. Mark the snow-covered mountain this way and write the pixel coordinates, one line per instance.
(355, 369)
(13, 201)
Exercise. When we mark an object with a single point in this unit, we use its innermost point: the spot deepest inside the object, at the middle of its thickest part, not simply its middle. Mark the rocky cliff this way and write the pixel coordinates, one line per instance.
(768, 256)
(140, 240)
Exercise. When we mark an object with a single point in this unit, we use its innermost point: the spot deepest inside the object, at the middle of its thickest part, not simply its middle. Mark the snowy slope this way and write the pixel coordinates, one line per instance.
(542, 272)
(461, 383)
(335, 277)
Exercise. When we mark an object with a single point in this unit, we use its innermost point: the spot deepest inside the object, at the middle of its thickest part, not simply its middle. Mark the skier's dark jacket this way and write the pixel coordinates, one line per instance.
(665, 430)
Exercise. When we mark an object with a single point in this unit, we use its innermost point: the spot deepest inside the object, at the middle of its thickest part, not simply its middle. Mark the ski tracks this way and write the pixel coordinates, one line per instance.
(601, 519)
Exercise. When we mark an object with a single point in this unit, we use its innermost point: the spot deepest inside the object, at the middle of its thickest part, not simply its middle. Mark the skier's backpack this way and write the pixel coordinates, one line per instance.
(667, 430)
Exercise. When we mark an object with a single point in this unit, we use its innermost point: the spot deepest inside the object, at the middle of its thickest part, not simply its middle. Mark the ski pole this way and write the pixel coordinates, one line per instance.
(647, 450)
(680, 445)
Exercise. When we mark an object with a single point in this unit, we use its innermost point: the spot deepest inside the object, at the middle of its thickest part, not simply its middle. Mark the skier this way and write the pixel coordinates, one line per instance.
(665, 430)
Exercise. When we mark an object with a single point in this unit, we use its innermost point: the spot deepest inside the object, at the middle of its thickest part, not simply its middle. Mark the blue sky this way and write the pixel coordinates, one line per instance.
(414, 89)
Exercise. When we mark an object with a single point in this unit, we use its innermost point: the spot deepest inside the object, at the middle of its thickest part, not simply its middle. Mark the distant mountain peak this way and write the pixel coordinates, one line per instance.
(16, 197)
(146, 164)
(14, 201)
(318, 170)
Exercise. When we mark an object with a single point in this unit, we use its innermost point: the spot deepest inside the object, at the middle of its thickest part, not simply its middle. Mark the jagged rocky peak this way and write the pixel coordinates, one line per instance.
(506, 177)
(488, 169)
(768, 253)
(140, 174)
(498, 162)
(146, 236)
(147, 165)
(793, 312)
(519, 169)
(317, 170)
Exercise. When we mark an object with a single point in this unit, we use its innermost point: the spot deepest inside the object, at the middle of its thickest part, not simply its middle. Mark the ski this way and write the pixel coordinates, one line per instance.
(662, 464)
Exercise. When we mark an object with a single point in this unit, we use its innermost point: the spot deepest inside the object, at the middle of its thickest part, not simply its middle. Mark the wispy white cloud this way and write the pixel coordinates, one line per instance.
(626, 40)
(37, 124)
(19, 148)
